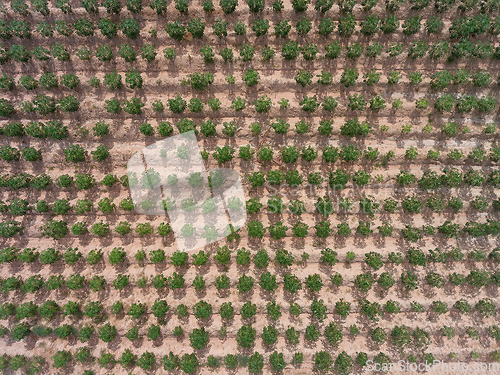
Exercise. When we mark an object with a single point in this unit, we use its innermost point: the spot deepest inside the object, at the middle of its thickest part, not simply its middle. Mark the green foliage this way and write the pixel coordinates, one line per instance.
(412, 204)
(84, 27)
(127, 52)
(269, 335)
(309, 104)
(418, 49)
(75, 282)
(113, 80)
(121, 282)
(130, 27)
(108, 28)
(350, 153)
(64, 331)
(364, 282)
(333, 50)
(349, 77)
(292, 283)
(200, 81)
(175, 30)
(208, 54)
(238, 104)
(61, 358)
(133, 106)
(137, 310)
(353, 128)
(354, 51)
(314, 282)
(323, 361)
(260, 26)
(246, 336)
(385, 281)
(101, 153)
(462, 306)
(393, 77)
(371, 309)
(304, 78)
(146, 361)
(202, 310)
(104, 53)
(343, 308)
(309, 51)
(434, 279)
(55, 229)
(75, 153)
(268, 281)
(18, 53)
(26, 81)
(196, 27)
(227, 54)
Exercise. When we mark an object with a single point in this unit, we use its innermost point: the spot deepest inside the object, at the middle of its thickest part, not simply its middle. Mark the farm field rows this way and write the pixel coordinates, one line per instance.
(365, 135)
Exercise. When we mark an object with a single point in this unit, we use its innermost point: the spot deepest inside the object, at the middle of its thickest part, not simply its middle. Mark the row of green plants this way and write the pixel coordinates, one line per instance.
(254, 6)
(20, 207)
(74, 154)
(45, 105)
(208, 128)
(246, 334)
(41, 104)
(339, 179)
(223, 257)
(265, 154)
(333, 50)
(411, 204)
(187, 363)
(50, 81)
(367, 205)
(203, 311)
(275, 205)
(43, 181)
(53, 129)
(30, 365)
(439, 81)
(462, 27)
(464, 103)
(190, 363)
(401, 337)
(58, 229)
(267, 281)
(463, 49)
(351, 128)
(58, 51)
(410, 233)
